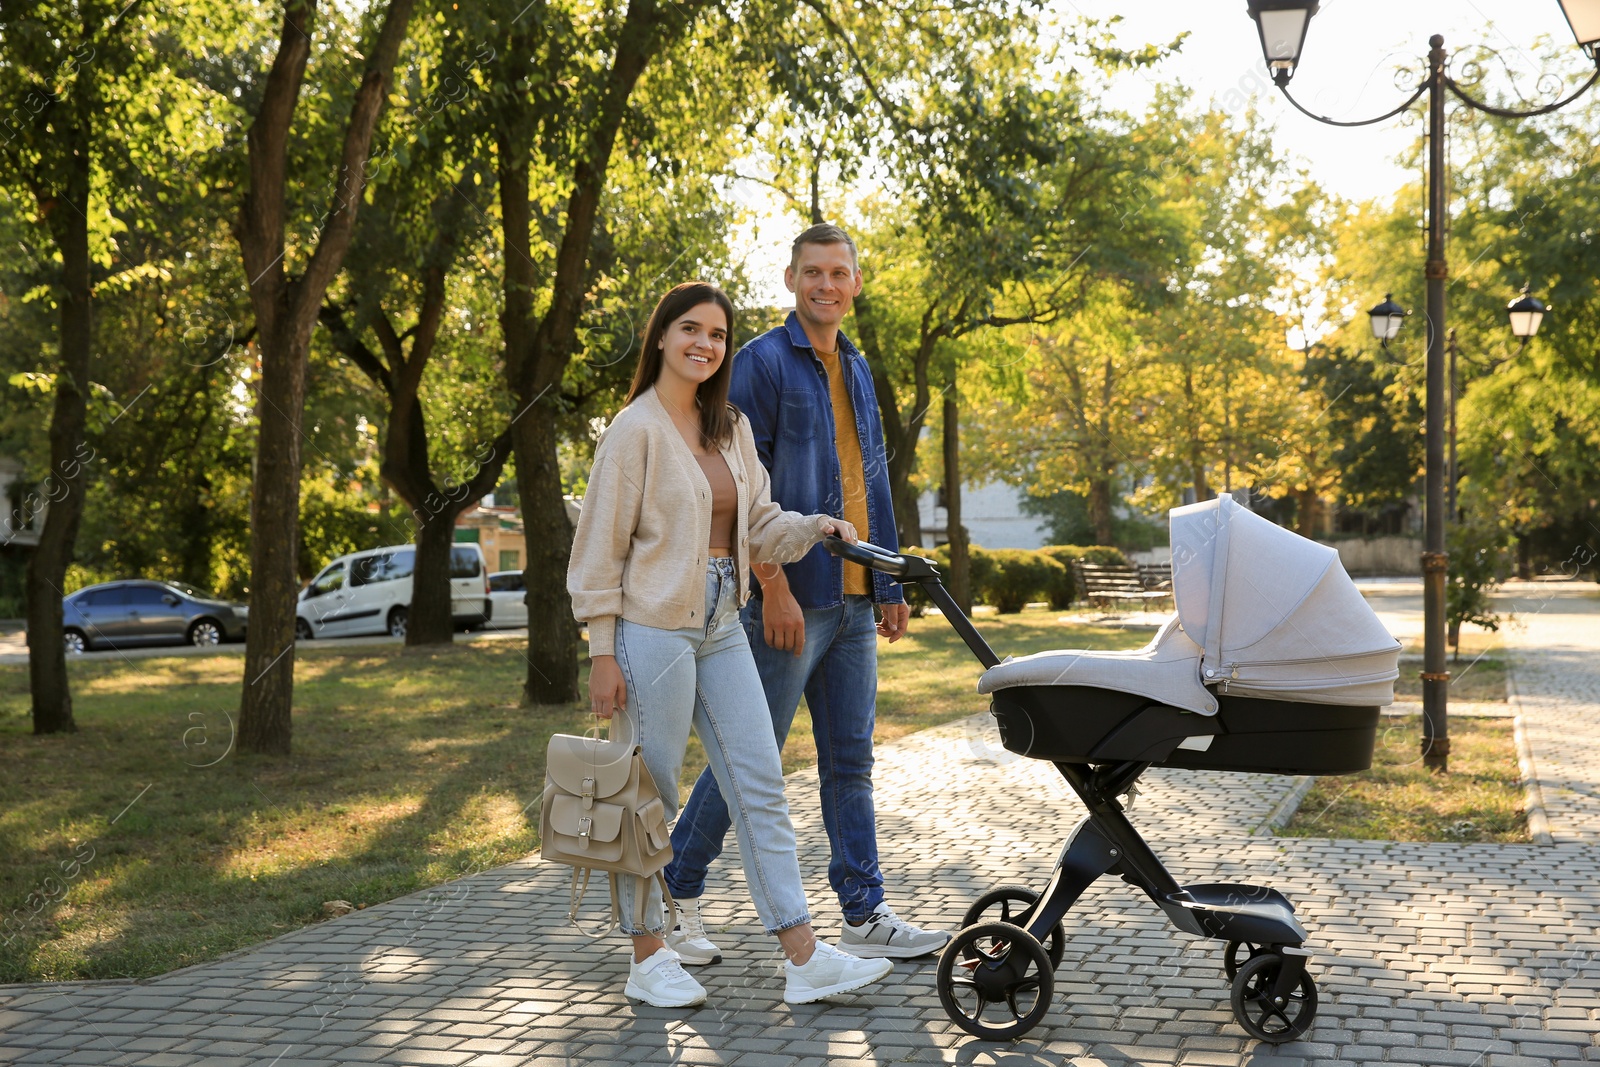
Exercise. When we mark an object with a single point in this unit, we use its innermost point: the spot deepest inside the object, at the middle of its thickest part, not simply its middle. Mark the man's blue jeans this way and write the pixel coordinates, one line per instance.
(837, 672)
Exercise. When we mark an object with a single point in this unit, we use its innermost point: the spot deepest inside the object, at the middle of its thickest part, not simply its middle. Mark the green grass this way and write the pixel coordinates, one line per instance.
(141, 843)
(1479, 680)
(1479, 799)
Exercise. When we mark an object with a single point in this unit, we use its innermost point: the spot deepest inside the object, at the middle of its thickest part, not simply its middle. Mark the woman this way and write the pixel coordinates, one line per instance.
(678, 508)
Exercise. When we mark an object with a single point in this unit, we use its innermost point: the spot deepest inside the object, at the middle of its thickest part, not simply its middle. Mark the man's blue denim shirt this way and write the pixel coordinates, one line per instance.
(782, 388)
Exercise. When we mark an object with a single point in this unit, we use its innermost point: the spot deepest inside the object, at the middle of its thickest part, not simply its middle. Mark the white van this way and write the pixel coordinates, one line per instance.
(370, 593)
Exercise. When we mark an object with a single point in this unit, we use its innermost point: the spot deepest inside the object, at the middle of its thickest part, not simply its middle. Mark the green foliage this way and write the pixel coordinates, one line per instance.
(1019, 577)
(1067, 522)
(1474, 568)
(1010, 578)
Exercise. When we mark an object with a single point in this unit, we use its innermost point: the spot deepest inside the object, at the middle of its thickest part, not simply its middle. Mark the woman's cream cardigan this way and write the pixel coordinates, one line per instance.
(641, 546)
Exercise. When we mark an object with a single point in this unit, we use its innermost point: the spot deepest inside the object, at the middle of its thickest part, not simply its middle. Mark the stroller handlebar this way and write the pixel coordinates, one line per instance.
(915, 570)
(869, 555)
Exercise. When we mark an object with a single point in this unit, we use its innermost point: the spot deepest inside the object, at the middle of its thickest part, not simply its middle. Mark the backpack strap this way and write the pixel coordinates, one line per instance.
(642, 891)
(575, 901)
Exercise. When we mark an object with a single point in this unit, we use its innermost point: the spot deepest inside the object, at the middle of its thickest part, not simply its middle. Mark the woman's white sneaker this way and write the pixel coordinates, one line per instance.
(662, 982)
(828, 972)
(688, 939)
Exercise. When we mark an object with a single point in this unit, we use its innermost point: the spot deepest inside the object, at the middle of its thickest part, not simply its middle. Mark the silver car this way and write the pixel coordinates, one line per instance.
(131, 613)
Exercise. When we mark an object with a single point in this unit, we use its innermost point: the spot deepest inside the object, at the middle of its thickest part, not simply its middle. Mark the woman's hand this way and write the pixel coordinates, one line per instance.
(607, 690)
(843, 529)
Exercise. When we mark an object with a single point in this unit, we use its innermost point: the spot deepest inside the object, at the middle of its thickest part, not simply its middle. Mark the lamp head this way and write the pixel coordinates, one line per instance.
(1386, 319)
(1526, 313)
(1584, 18)
(1281, 25)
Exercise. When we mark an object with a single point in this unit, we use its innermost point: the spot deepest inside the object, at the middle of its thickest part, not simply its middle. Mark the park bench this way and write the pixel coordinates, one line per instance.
(1156, 576)
(1105, 583)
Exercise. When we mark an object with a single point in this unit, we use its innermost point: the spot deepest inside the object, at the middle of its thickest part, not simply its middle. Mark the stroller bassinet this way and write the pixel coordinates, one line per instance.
(1274, 663)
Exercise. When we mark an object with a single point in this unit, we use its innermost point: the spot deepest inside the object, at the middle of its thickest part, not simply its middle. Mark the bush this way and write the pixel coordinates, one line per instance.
(980, 567)
(1474, 568)
(916, 599)
(1019, 576)
(1009, 578)
(1066, 591)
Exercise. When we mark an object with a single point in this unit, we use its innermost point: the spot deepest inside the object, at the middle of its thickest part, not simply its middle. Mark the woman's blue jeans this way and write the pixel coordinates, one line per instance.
(837, 672)
(704, 676)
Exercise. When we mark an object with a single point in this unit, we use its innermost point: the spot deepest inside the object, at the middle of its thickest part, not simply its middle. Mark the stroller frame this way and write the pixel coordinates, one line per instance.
(1004, 957)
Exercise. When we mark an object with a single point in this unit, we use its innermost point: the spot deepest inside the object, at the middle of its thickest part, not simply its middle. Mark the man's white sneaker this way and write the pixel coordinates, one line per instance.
(688, 939)
(662, 981)
(887, 936)
(828, 972)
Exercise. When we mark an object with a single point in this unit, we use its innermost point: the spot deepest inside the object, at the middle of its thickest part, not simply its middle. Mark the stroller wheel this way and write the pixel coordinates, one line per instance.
(995, 981)
(1261, 1016)
(1013, 904)
(1237, 954)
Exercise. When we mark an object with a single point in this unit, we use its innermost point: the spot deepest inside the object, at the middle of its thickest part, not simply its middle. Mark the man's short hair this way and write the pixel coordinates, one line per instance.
(823, 233)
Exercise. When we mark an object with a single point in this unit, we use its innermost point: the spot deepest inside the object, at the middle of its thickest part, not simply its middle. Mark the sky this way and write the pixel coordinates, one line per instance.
(1347, 71)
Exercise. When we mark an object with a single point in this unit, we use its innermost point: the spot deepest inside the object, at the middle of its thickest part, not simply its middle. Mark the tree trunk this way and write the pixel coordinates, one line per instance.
(47, 567)
(1100, 516)
(552, 631)
(194, 545)
(537, 355)
(432, 621)
(406, 466)
(1197, 461)
(900, 432)
(1309, 515)
(264, 723)
(960, 559)
(286, 311)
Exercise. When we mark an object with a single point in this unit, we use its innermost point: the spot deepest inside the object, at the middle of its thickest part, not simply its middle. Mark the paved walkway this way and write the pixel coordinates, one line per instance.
(1471, 955)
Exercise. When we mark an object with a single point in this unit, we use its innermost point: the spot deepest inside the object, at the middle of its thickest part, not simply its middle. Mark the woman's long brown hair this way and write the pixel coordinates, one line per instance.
(716, 414)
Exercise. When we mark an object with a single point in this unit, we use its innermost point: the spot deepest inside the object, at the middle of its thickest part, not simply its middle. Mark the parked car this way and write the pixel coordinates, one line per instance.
(370, 593)
(136, 612)
(509, 592)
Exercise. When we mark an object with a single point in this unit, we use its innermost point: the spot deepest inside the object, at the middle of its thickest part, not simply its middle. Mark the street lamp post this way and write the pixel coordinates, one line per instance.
(1282, 26)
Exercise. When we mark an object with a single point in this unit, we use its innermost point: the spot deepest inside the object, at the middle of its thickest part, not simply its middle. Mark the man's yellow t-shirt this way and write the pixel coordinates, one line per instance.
(852, 470)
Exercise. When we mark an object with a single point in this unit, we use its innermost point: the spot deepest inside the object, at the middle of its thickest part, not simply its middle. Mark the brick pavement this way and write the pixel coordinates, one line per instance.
(1477, 955)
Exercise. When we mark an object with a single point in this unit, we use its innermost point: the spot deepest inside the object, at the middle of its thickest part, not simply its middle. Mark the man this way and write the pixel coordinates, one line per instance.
(808, 395)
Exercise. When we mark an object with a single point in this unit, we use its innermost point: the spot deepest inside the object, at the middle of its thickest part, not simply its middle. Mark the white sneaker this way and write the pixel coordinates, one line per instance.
(662, 981)
(887, 936)
(829, 971)
(688, 939)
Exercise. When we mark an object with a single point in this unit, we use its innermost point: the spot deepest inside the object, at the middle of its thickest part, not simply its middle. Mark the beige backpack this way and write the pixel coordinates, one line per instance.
(603, 812)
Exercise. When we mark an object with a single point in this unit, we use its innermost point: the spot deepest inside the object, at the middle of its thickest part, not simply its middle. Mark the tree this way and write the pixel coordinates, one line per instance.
(407, 249)
(544, 83)
(286, 306)
(1072, 422)
(1529, 429)
(63, 69)
(998, 205)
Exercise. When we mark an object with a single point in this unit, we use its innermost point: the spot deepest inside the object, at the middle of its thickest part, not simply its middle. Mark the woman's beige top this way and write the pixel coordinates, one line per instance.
(724, 500)
(641, 546)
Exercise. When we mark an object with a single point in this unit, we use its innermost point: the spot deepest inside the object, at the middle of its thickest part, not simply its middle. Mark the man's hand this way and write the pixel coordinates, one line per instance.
(894, 621)
(782, 622)
(608, 691)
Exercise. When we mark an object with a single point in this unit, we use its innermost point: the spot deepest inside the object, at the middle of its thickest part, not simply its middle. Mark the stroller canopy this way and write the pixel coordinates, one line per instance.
(1262, 612)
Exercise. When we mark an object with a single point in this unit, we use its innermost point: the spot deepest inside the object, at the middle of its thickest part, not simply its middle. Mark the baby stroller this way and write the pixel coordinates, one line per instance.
(1273, 664)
